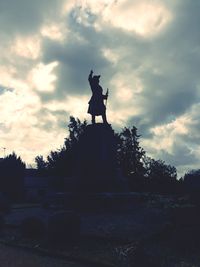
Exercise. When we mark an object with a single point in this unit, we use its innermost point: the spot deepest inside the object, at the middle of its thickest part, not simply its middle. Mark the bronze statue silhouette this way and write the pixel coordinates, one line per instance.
(96, 103)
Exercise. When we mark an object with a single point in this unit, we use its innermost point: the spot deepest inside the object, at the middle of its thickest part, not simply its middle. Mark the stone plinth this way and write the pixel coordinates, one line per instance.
(96, 159)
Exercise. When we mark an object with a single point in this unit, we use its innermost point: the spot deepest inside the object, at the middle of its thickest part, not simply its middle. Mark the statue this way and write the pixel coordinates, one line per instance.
(96, 103)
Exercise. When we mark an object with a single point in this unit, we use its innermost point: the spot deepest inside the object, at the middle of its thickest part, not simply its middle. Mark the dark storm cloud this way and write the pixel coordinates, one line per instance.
(167, 65)
(4, 89)
(82, 50)
(142, 124)
(191, 138)
(172, 78)
(59, 121)
(76, 58)
(181, 155)
(169, 92)
(25, 16)
(166, 97)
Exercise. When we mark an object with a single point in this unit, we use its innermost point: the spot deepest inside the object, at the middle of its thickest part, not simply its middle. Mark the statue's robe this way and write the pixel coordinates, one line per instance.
(96, 104)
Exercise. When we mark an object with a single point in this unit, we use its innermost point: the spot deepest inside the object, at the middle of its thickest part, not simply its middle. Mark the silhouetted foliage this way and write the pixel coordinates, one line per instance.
(191, 182)
(131, 155)
(40, 163)
(60, 163)
(143, 173)
(76, 129)
(12, 176)
(161, 176)
(159, 170)
(192, 177)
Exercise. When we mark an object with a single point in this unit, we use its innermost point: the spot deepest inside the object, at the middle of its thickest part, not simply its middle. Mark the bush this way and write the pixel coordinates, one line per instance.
(64, 227)
(32, 227)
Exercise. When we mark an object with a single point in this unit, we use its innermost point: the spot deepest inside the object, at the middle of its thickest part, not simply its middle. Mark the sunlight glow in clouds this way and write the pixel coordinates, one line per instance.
(53, 31)
(166, 135)
(27, 47)
(146, 18)
(110, 55)
(7, 73)
(42, 77)
(178, 126)
(77, 106)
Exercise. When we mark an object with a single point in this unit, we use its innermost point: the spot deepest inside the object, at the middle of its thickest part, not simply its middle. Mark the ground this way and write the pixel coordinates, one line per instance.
(15, 257)
(142, 235)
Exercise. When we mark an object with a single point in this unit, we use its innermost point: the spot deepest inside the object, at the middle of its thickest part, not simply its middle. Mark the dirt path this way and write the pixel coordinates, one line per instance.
(15, 257)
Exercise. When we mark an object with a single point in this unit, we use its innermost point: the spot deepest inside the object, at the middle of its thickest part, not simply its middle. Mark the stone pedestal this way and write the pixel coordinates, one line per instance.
(96, 159)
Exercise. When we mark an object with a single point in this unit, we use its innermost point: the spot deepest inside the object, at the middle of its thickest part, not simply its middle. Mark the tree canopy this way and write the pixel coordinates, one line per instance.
(11, 176)
(149, 174)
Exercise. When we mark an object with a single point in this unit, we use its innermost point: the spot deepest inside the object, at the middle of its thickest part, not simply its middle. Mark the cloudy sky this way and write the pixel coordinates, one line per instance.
(147, 51)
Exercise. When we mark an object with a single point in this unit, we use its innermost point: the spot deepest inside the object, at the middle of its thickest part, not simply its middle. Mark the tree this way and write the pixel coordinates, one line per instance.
(143, 173)
(12, 176)
(76, 129)
(131, 157)
(161, 176)
(61, 162)
(130, 154)
(40, 163)
(192, 176)
(159, 170)
(191, 182)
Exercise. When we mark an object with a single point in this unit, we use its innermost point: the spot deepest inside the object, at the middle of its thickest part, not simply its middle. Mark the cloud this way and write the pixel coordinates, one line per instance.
(26, 16)
(27, 47)
(142, 17)
(41, 77)
(147, 53)
(177, 142)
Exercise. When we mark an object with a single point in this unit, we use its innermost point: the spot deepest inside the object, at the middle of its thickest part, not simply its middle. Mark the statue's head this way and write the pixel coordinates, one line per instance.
(96, 78)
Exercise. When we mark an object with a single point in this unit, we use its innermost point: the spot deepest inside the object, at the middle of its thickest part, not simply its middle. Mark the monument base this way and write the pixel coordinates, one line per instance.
(96, 159)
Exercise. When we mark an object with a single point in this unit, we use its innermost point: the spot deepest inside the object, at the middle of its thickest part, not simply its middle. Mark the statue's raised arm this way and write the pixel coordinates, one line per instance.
(90, 76)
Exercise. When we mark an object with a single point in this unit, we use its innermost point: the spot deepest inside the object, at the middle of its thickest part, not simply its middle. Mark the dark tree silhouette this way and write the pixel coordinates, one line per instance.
(192, 177)
(41, 164)
(159, 170)
(131, 157)
(12, 176)
(144, 174)
(130, 154)
(61, 162)
(191, 183)
(161, 176)
(76, 129)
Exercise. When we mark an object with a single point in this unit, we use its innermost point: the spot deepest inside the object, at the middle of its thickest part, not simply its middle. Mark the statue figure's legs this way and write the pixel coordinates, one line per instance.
(104, 118)
(93, 119)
